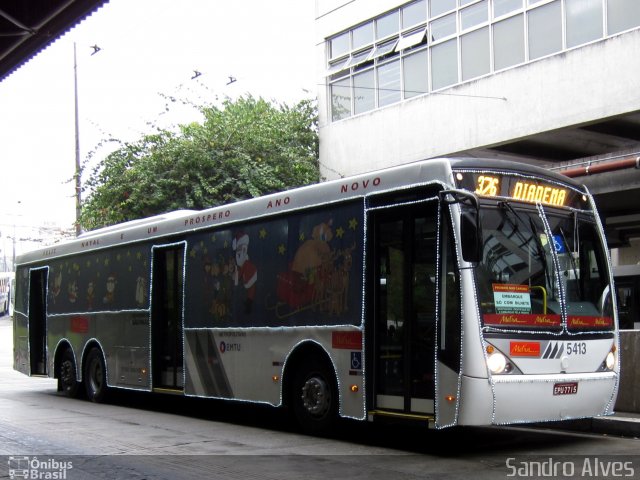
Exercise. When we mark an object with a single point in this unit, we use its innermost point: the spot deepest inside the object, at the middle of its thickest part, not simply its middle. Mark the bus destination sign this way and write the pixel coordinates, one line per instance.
(529, 190)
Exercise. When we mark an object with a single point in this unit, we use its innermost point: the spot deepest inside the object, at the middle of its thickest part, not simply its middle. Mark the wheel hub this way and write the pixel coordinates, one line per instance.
(66, 372)
(96, 375)
(316, 396)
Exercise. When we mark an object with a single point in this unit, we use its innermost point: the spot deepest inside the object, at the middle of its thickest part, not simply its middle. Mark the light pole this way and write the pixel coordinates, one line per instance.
(78, 172)
(78, 181)
(13, 260)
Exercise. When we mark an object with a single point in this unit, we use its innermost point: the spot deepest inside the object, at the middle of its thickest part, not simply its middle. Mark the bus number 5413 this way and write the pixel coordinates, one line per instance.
(576, 348)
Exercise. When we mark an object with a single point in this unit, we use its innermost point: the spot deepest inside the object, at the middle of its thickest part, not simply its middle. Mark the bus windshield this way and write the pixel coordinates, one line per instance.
(542, 268)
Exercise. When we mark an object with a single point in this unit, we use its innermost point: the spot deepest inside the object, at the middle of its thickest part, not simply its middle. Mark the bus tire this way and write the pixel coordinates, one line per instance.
(67, 375)
(95, 376)
(315, 397)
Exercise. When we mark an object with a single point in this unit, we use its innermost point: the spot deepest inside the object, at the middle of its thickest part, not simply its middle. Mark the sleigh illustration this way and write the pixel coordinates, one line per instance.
(294, 290)
(324, 288)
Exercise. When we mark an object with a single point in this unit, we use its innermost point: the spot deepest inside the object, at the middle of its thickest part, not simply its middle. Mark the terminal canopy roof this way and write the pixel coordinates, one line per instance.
(29, 26)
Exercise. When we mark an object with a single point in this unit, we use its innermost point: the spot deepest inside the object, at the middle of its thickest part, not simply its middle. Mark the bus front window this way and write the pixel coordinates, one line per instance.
(515, 277)
(583, 271)
(528, 272)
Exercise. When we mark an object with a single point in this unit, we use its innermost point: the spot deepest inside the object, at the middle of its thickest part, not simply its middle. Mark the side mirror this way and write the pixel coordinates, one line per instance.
(470, 225)
(471, 236)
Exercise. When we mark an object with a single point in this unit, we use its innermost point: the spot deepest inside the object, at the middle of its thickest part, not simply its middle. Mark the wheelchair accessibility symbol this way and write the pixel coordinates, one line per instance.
(356, 360)
(558, 244)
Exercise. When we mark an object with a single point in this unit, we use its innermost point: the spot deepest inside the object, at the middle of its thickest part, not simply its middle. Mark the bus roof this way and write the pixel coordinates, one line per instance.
(434, 171)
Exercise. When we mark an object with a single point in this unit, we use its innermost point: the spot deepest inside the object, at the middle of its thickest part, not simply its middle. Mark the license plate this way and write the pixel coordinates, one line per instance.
(570, 388)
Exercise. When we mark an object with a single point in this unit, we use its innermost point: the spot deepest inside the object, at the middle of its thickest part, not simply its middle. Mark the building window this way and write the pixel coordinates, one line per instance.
(339, 45)
(338, 65)
(414, 14)
(584, 21)
(364, 92)
(508, 42)
(363, 35)
(474, 48)
(503, 7)
(439, 7)
(341, 99)
(387, 25)
(444, 64)
(426, 45)
(545, 30)
(384, 49)
(473, 15)
(412, 39)
(389, 83)
(415, 72)
(443, 27)
(358, 58)
(622, 15)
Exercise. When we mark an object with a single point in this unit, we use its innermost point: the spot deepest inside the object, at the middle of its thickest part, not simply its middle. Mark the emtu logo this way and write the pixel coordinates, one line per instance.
(229, 347)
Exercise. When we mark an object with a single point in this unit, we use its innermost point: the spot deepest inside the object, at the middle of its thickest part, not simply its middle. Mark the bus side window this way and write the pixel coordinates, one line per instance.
(625, 306)
(449, 348)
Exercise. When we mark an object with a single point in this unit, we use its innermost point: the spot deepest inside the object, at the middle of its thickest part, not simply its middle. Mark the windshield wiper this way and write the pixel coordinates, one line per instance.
(507, 206)
(574, 266)
(534, 234)
(541, 253)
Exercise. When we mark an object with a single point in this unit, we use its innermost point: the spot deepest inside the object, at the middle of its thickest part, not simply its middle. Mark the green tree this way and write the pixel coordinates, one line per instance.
(245, 148)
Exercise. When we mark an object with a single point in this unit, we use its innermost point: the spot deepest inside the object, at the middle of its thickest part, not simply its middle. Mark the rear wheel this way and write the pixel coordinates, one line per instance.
(95, 376)
(315, 397)
(67, 377)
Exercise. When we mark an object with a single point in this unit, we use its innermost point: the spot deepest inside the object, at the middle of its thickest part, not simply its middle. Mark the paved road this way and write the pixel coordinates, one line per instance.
(164, 437)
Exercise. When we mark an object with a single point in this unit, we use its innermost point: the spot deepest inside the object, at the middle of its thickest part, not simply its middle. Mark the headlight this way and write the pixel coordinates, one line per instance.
(610, 361)
(496, 362)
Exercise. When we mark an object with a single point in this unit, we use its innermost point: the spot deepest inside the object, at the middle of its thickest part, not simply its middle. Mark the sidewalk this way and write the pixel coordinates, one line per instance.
(620, 424)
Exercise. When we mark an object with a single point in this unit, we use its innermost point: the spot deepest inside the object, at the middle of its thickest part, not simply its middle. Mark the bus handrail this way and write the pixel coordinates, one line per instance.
(544, 296)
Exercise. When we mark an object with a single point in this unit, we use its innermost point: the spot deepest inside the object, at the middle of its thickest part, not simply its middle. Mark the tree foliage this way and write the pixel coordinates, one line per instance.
(245, 148)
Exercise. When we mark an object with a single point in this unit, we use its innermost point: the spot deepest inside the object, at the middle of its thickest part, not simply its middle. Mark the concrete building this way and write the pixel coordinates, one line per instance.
(551, 82)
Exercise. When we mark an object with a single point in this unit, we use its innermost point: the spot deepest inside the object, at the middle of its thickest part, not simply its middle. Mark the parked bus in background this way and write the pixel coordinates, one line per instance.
(5, 292)
(627, 278)
(447, 292)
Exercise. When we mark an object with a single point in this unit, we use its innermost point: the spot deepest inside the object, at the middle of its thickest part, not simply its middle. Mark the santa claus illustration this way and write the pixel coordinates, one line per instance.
(109, 297)
(247, 273)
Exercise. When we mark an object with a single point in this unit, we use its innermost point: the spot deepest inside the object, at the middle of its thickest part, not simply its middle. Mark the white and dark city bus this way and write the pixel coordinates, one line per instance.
(449, 292)
(6, 279)
(627, 281)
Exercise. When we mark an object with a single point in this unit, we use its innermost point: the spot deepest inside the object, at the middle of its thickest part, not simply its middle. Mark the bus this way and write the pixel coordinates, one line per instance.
(627, 278)
(6, 279)
(446, 292)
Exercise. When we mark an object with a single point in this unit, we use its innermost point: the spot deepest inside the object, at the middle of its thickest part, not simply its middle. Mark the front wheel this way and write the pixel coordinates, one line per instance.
(315, 397)
(95, 376)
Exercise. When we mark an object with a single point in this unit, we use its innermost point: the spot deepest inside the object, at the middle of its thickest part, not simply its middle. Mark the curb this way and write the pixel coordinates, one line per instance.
(617, 425)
